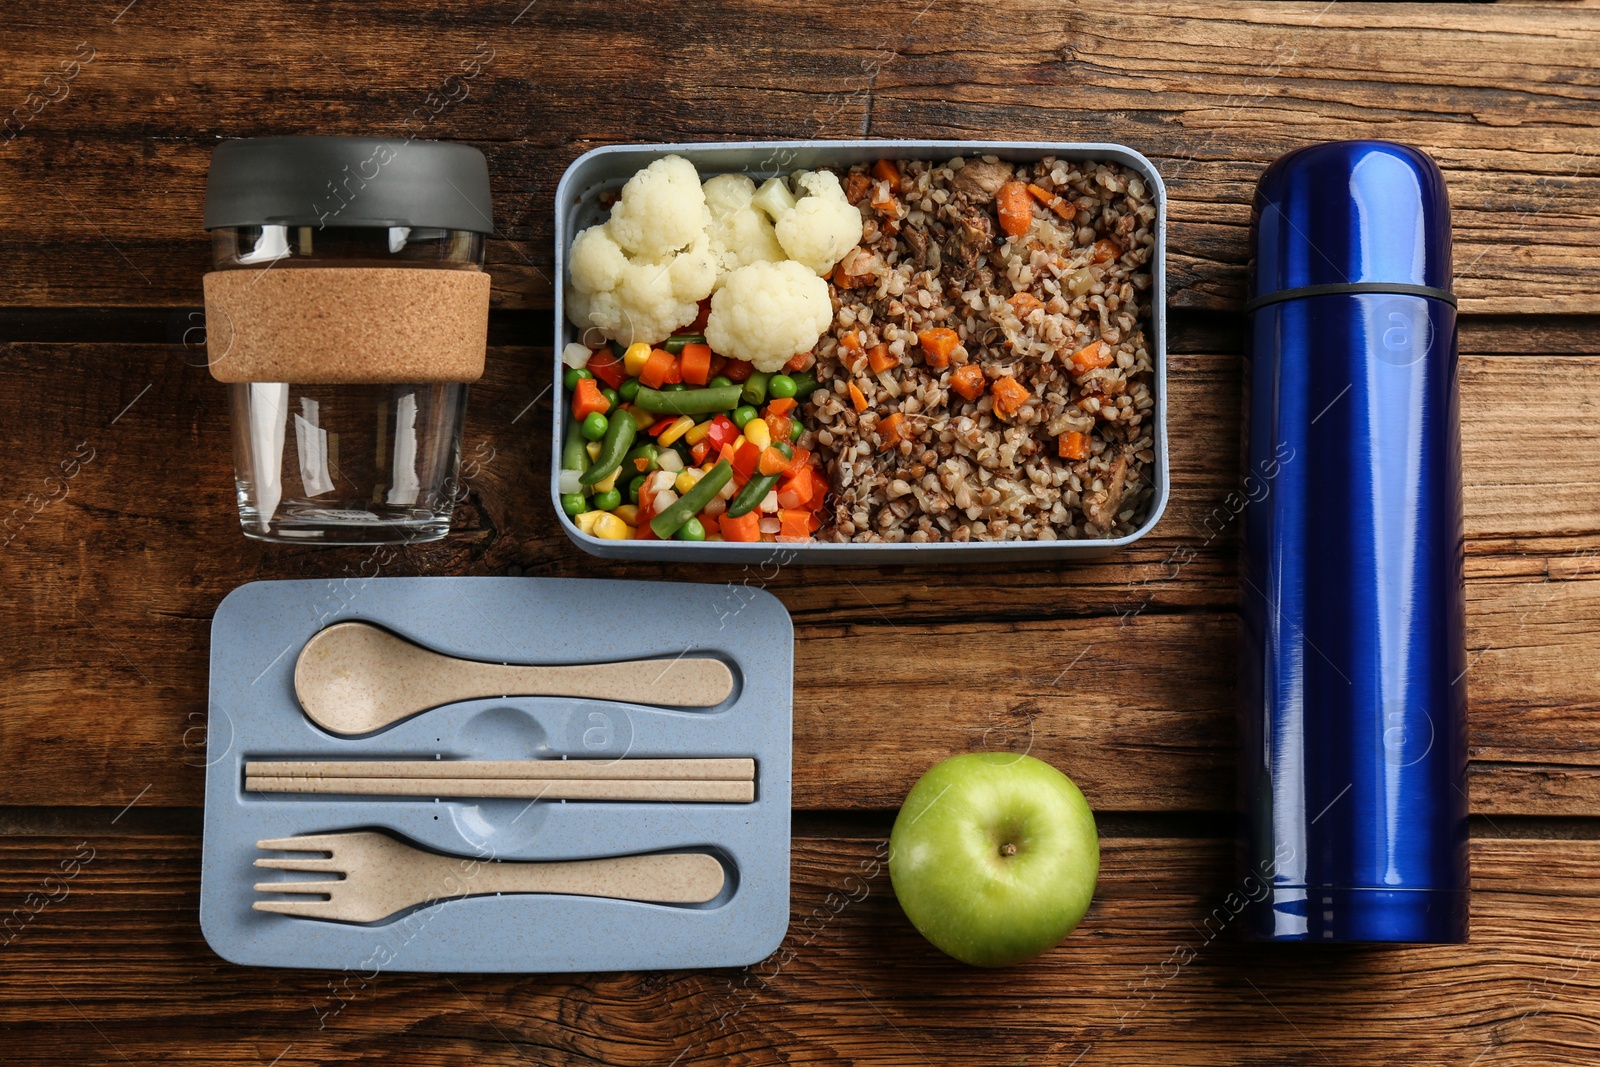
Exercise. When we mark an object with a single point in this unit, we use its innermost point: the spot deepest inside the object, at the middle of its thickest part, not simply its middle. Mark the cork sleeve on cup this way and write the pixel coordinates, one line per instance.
(347, 325)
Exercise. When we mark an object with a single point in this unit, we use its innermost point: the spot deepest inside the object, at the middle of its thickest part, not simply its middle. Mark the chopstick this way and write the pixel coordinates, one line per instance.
(727, 770)
(693, 790)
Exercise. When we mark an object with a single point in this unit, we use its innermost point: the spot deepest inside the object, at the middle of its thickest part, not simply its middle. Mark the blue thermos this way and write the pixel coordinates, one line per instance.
(1353, 768)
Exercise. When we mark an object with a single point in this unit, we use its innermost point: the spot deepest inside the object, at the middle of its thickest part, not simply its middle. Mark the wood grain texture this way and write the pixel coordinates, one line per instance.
(1121, 670)
(116, 964)
(1212, 91)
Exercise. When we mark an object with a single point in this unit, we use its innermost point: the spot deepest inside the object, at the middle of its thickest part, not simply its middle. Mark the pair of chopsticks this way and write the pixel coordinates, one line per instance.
(706, 781)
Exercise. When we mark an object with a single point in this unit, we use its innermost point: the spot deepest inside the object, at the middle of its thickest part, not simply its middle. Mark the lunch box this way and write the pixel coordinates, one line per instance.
(603, 171)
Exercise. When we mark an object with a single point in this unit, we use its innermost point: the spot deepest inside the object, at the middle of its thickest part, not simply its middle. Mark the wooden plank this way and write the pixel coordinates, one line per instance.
(1212, 91)
(113, 586)
(116, 967)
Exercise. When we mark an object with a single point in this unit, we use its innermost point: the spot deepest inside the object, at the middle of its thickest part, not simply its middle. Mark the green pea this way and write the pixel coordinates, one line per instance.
(721, 381)
(575, 375)
(743, 414)
(634, 487)
(628, 390)
(781, 386)
(693, 530)
(795, 430)
(606, 501)
(594, 425)
(675, 387)
(574, 504)
(612, 397)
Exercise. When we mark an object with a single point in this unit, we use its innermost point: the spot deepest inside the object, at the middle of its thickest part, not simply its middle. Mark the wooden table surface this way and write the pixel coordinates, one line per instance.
(108, 579)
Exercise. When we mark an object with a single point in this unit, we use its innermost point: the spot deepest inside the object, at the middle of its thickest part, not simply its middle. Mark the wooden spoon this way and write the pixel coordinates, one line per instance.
(354, 678)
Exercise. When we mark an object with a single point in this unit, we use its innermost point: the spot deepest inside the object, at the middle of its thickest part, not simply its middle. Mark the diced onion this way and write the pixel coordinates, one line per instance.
(889, 383)
(770, 524)
(669, 460)
(769, 503)
(570, 482)
(664, 500)
(576, 355)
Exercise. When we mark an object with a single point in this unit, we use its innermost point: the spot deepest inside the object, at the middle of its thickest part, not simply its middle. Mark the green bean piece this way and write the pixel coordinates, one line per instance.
(757, 488)
(805, 383)
(574, 453)
(688, 401)
(675, 343)
(693, 502)
(618, 439)
(755, 388)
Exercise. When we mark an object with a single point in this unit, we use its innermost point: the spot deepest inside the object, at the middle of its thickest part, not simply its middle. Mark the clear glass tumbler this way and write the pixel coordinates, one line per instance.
(355, 464)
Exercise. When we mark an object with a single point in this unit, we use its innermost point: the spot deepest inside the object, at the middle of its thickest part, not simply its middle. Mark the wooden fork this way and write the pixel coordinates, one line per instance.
(376, 876)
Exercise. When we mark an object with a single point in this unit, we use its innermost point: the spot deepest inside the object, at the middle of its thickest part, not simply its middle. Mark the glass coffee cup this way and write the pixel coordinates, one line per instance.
(347, 312)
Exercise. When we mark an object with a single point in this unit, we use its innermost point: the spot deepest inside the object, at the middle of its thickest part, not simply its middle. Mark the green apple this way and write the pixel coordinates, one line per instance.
(994, 857)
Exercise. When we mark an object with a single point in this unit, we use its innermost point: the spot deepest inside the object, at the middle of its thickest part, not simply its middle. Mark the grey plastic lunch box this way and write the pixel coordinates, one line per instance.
(604, 170)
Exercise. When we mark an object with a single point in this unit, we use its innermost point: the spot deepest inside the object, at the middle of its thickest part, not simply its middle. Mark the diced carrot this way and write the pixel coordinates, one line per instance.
(772, 461)
(779, 426)
(1022, 305)
(746, 527)
(879, 359)
(968, 381)
(1106, 250)
(800, 461)
(1009, 395)
(658, 369)
(794, 523)
(883, 199)
(889, 429)
(699, 323)
(738, 370)
(1061, 207)
(937, 344)
(1072, 445)
(851, 342)
(815, 522)
(745, 459)
(856, 186)
(781, 405)
(797, 361)
(586, 398)
(857, 398)
(696, 363)
(1090, 356)
(886, 170)
(1014, 207)
(607, 366)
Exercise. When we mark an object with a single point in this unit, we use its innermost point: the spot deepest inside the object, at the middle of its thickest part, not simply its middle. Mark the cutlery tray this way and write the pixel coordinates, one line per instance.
(256, 638)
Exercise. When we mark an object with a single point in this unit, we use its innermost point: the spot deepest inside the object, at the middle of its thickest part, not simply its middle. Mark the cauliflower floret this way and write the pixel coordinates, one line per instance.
(636, 299)
(819, 227)
(768, 312)
(662, 209)
(740, 233)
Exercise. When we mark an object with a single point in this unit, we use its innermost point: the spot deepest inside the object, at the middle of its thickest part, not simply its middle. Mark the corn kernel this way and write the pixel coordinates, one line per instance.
(698, 432)
(757, 433)
(610, 528)
(587, 519)
(593, 448)
(628, 513)
(634, 358)
(608, 483)
(682, 426)
(686, 480)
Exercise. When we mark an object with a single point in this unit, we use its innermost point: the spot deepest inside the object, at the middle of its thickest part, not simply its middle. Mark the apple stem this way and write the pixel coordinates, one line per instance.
(1008, 849)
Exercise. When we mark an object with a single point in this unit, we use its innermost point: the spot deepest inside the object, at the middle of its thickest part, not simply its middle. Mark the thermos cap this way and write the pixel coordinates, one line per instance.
(1350, 216)
(348, 181)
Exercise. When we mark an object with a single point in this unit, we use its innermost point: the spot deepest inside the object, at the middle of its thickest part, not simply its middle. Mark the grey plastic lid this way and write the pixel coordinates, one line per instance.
(348, 181)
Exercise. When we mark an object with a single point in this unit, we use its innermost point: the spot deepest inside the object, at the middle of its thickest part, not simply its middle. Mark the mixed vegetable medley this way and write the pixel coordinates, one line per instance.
(677, 441)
